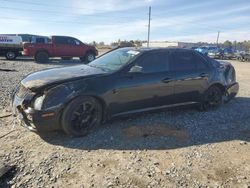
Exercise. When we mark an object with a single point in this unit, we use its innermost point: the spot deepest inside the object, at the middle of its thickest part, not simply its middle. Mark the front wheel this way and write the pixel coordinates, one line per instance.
(89, 57)
(212, 98)
(82, 115)
(10, 55)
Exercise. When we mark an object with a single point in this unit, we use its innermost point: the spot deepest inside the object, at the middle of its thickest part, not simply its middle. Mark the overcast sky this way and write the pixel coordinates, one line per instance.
(110, 20)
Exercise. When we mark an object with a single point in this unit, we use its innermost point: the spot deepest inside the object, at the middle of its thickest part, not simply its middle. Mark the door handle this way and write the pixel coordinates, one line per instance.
(166, 80)
(203, 75)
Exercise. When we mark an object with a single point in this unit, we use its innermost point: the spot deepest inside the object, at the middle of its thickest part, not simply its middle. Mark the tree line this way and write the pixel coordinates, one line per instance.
(235, 45)
(245, 45)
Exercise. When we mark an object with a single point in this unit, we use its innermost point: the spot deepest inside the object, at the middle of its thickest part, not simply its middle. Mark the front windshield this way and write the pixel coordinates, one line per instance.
(114, 60)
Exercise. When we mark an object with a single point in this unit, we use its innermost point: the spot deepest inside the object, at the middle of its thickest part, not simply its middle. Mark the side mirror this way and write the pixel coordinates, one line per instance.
(136, 69)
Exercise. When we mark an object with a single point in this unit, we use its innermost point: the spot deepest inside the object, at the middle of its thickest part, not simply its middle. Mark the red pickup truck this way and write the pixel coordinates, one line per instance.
(60, 46)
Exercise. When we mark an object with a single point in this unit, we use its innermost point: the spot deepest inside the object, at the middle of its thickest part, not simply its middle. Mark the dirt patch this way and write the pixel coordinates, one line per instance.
(155, 130)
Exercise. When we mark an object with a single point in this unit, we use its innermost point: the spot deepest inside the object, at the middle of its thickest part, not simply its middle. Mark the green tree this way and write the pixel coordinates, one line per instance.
(227, 43)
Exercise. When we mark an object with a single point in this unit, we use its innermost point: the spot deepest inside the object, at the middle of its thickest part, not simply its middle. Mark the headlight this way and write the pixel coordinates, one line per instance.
(39, 102)
(55, 96)
(52, 97)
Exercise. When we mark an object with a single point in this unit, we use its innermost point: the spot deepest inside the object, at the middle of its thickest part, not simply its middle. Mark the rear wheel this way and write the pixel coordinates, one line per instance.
(42, 57)
(10, 55)
(212, 98)
(81, 116)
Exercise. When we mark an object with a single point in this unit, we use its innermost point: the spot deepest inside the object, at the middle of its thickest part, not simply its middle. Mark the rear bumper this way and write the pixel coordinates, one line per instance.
(25, 53)
(35, 120)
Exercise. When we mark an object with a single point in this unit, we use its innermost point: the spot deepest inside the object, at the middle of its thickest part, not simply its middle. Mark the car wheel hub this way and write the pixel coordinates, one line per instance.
(91, 57)
(10, 55)
(84, 117)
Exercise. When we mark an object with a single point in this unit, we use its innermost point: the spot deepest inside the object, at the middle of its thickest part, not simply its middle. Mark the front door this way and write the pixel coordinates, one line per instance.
(150, 88)
(66, 47)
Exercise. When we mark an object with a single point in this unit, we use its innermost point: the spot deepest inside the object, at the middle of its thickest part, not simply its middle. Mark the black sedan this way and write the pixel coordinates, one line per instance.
(127, 80)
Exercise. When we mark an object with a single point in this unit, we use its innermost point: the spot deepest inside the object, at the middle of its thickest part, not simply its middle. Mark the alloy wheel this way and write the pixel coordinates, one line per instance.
(85, 116)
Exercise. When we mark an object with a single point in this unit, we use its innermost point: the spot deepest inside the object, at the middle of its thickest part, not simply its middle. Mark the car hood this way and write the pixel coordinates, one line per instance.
(59, 75)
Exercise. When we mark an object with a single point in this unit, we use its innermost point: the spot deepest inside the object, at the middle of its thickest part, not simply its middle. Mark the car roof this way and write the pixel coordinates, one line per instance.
(61, 36)
(144, 49)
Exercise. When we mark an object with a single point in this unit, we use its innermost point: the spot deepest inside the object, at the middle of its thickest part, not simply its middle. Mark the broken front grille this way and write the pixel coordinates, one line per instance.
(22, 91)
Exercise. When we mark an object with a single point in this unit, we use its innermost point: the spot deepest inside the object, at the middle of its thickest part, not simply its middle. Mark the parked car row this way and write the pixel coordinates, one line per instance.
(223, 53)
(42, 48)
(243, 56)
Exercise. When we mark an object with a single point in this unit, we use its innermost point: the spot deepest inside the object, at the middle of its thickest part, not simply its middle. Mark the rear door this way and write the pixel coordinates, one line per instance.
(152, 87)
(191, 75)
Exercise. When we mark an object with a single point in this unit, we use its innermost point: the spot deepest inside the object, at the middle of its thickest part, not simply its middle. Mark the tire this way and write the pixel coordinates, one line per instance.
(90, 56)
(81, 116)
(10, 55)
(42, 57)
(212, 98)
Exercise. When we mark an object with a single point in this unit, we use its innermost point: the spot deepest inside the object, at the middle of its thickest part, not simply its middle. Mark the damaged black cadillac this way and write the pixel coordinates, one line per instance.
(76, 99)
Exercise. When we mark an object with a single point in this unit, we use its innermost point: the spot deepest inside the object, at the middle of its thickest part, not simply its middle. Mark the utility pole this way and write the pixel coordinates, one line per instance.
(218, 35)
(149, 20)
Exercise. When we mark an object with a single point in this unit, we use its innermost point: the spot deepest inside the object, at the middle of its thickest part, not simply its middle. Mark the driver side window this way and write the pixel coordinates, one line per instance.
(77, 42)
(71, 41)
(154, 62)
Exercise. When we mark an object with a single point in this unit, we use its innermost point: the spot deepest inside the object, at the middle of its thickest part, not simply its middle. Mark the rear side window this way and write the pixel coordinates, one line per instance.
(71, 41)
(183, 61)
(154, 62)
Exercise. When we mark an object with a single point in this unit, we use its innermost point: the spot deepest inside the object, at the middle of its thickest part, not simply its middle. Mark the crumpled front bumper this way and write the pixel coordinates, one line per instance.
(232, 90)
(33, 119)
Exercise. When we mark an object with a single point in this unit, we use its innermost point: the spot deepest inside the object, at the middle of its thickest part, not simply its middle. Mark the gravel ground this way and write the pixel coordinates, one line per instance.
(172, 148)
